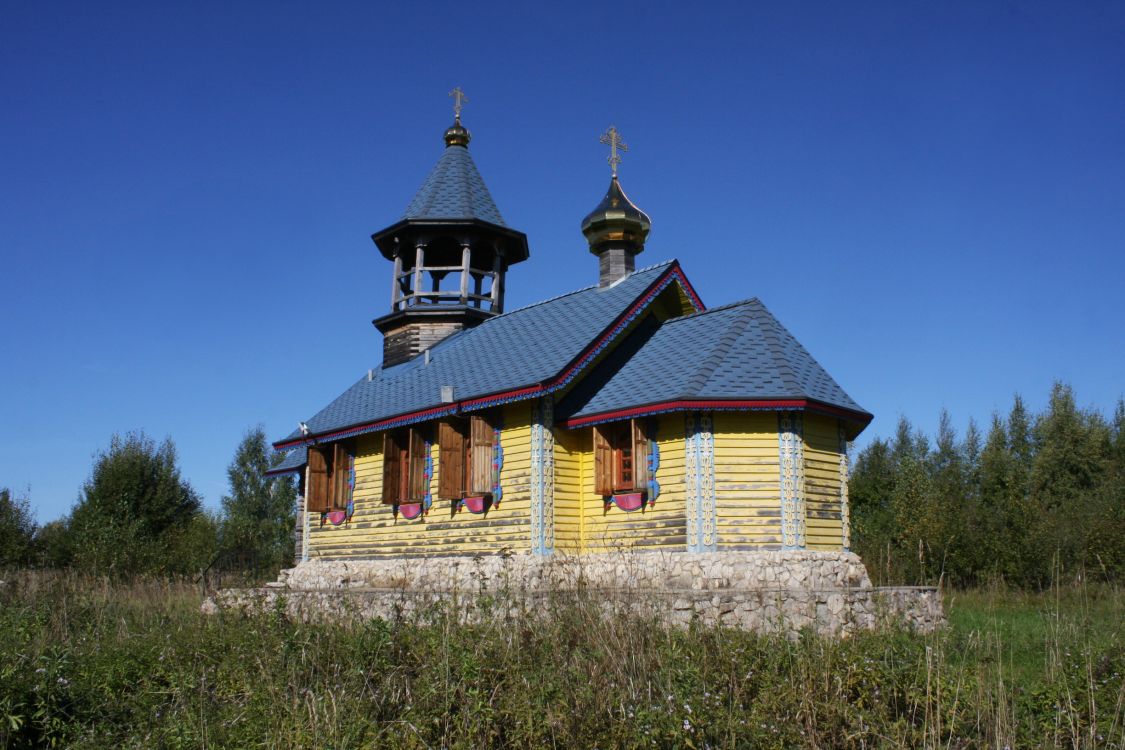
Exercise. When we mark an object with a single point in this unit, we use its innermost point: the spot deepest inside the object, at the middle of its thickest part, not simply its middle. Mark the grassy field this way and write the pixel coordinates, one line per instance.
(89, 664)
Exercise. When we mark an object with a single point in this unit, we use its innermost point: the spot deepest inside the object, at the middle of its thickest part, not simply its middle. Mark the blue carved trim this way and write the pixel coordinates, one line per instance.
(427, 478)
(497, 461)
(790, 461)
(542, 478)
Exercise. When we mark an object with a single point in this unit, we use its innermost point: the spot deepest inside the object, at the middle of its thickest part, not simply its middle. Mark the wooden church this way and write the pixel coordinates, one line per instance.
(622, 416)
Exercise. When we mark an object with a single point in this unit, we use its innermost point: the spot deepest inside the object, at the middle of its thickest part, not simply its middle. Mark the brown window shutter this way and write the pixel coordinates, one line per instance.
(603, 463)
(483, 438)
(392, 468)
(451, 459)
(640, 455)
(417, 465)
(341, 463)
(317, 499)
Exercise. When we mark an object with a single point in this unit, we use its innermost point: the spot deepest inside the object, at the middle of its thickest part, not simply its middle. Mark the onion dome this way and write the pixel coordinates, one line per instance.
(457, 134)
(616, 221)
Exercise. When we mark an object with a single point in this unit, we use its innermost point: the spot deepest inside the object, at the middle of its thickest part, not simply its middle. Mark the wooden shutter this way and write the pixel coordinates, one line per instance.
(417, 488)
(603, 463)
(392, 468)
(451, 459)
(341, 465)
(483, 438)
(640, 455)
(318, 497)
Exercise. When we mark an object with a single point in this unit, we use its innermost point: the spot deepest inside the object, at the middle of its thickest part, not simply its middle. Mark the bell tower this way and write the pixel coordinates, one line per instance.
(451, 250)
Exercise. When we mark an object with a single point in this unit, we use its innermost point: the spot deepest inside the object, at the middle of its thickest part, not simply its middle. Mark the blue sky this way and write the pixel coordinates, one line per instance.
(931, 197)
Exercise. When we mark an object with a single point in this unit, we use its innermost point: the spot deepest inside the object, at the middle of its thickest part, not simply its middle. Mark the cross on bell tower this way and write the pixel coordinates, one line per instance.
(451, 250)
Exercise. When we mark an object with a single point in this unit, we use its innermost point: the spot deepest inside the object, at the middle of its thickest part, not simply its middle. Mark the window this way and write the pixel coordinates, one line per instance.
(329, 474)
(621, 457)
(465, 452)
(404, 466)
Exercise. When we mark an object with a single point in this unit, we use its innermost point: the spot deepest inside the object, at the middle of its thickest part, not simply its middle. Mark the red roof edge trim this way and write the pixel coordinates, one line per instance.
(475, 403)
(674, 273)
(718, 405)
(696, 301)
(283, 472)
(417, 416)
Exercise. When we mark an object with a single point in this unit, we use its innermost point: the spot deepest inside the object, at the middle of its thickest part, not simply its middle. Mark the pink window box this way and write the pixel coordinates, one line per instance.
(410, 511)
(630, 502)
(478, 504)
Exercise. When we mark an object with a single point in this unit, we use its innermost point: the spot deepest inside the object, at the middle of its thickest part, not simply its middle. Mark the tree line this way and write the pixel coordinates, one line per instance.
(1039, 497)
(137, 515)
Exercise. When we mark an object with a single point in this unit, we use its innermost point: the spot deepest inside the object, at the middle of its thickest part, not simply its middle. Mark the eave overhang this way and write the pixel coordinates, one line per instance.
(857, 420)
(515, 250)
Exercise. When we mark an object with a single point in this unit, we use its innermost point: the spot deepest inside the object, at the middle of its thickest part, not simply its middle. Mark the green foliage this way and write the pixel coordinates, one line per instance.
(259, 514)
(135, 511)
(1043, 495)
(17, 530)
(88, 664)
(55, 544)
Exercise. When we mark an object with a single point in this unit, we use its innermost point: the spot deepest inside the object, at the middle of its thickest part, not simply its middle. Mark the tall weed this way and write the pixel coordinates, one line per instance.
(87, 662)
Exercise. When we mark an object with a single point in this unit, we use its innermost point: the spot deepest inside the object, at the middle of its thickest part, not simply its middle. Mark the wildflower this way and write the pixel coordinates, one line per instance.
(687, 725)
(63, 681)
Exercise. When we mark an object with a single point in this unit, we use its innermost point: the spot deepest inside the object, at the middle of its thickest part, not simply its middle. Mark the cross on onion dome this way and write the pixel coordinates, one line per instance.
(459, 101)
(612, 138)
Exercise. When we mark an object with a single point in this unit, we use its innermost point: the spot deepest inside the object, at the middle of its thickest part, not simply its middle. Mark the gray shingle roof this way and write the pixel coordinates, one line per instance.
(521, 348)
(454, 190)
(293, 461)
(738, 351)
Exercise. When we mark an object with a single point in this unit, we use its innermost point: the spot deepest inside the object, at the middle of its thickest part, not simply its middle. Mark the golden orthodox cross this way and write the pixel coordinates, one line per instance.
(459, 101)
(612, 139)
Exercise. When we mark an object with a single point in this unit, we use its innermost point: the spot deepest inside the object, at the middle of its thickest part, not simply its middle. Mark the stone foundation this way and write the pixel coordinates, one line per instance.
(780, 592)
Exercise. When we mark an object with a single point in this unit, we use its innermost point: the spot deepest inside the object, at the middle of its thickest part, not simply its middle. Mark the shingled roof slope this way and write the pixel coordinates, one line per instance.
(454, 190)
(293, 461)
(521, 348)
(740, 351)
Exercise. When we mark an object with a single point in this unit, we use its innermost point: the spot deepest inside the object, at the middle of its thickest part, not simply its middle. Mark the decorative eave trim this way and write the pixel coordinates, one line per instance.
(577, 365)
(674, 273)
(663, 407)
(283, 472)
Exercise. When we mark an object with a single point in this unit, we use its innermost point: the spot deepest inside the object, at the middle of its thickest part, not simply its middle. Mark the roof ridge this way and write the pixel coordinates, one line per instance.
(719, 353)
(655, 265)
(720, 308)
(484, 193)
(578, 291)
(773, 343)
(458, 334)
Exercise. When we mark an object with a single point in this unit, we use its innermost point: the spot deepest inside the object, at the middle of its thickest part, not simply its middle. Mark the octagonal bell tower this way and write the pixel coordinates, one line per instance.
(451, 250)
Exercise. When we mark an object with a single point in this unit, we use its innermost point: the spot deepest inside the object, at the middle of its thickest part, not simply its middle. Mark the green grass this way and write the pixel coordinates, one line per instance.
(89, 664)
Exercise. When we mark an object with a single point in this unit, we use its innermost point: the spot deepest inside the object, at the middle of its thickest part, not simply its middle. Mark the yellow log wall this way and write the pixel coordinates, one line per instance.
(747, 480)
(568, 489)
(747, 495)
(663, 525)
(823, 529)
(374, 532)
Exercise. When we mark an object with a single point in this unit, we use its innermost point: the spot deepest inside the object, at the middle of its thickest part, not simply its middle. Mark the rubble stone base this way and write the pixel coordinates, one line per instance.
(768, 591)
